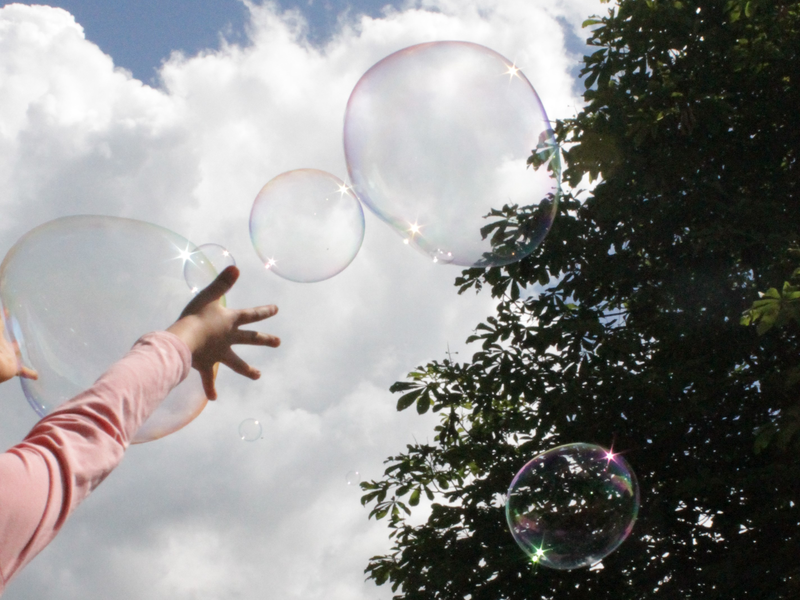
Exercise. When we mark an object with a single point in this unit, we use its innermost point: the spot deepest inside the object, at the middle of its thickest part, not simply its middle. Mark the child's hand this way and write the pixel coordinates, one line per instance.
(209, 329)
(9, 360)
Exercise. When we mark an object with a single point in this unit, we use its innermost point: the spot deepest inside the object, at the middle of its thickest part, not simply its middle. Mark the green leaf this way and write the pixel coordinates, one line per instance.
(408, 399)
(765, 324)
(793, 377)
(423, 405)
(380, 577)
(413, 500)
(763, 439)
(786, 432)
(401, 386)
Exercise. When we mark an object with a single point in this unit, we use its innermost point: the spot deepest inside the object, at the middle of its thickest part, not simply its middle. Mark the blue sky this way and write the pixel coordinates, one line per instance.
(140, 34)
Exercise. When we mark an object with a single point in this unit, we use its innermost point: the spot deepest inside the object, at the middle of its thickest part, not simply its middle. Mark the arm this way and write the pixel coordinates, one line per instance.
(69, 452)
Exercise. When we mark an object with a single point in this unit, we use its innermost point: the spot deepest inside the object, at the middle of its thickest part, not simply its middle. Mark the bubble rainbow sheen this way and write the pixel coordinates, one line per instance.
(572, 505)
(306, 225)
(437, 136)
(79, 291)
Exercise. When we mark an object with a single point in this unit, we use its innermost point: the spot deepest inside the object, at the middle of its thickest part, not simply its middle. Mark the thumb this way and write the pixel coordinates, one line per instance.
(214, 291)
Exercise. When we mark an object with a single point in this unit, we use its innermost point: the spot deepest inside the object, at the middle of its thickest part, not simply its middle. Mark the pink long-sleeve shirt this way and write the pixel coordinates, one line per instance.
(69, 452)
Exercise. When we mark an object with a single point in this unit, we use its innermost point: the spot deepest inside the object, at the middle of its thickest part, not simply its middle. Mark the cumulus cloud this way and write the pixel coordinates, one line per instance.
(201, 514)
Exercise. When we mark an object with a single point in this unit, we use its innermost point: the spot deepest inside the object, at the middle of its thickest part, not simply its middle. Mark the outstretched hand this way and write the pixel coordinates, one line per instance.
(210, 329)
(9, 360)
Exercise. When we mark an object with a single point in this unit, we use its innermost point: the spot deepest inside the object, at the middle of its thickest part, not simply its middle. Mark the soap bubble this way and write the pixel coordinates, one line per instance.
(437, 136)
(352, 477)
(306, 225)
(573, 505)
(196, 271)
(250, 430)
(79, 291)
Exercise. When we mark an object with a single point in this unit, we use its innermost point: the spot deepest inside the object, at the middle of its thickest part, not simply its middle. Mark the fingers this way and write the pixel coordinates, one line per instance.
(213, 329)
(237, 365)
(27, 373)
(207, 376)
(254, 338)
(246, 316)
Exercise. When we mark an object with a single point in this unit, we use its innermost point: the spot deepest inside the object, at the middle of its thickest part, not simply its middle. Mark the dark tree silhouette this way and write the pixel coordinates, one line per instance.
(625, 327)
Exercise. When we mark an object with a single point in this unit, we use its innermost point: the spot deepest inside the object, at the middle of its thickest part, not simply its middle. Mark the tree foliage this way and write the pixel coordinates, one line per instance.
(625, 328)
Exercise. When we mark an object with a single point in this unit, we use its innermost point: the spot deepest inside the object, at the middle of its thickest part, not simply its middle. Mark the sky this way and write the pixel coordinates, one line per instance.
(141, 35)
(178, 117)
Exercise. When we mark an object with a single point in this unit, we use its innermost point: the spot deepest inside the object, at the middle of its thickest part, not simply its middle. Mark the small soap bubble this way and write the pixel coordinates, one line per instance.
(79, 291)
(352, 478)
(573, 505)
(442, 256)
(250, 430)
(306, 225)
(204, 264)
(437, 139)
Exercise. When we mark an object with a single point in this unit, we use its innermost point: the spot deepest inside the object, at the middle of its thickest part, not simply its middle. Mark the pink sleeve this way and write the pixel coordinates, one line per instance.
(69, 452)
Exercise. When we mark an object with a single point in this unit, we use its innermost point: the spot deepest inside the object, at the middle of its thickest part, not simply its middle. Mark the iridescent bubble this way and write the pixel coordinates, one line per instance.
(306, 225)
(437, 139)
(204, 264)
(352, 477)
(250, 430)
(573, 505)
(79, 291)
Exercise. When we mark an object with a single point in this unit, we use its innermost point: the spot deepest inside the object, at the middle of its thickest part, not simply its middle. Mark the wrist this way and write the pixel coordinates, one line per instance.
(186, 328)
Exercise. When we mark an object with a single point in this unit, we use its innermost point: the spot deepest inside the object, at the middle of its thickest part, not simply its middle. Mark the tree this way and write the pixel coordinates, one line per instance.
(634, 335)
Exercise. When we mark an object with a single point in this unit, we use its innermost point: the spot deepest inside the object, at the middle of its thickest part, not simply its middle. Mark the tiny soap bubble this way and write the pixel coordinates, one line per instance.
(250, 430)
(353, 477)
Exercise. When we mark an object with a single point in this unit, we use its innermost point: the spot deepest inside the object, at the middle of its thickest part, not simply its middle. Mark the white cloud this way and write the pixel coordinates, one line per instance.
(201, 514)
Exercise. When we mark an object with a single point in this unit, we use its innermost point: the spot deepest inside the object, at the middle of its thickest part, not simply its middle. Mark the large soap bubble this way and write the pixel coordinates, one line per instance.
(573, 505)
(306, 225)
(437, 137)
(79, 291)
